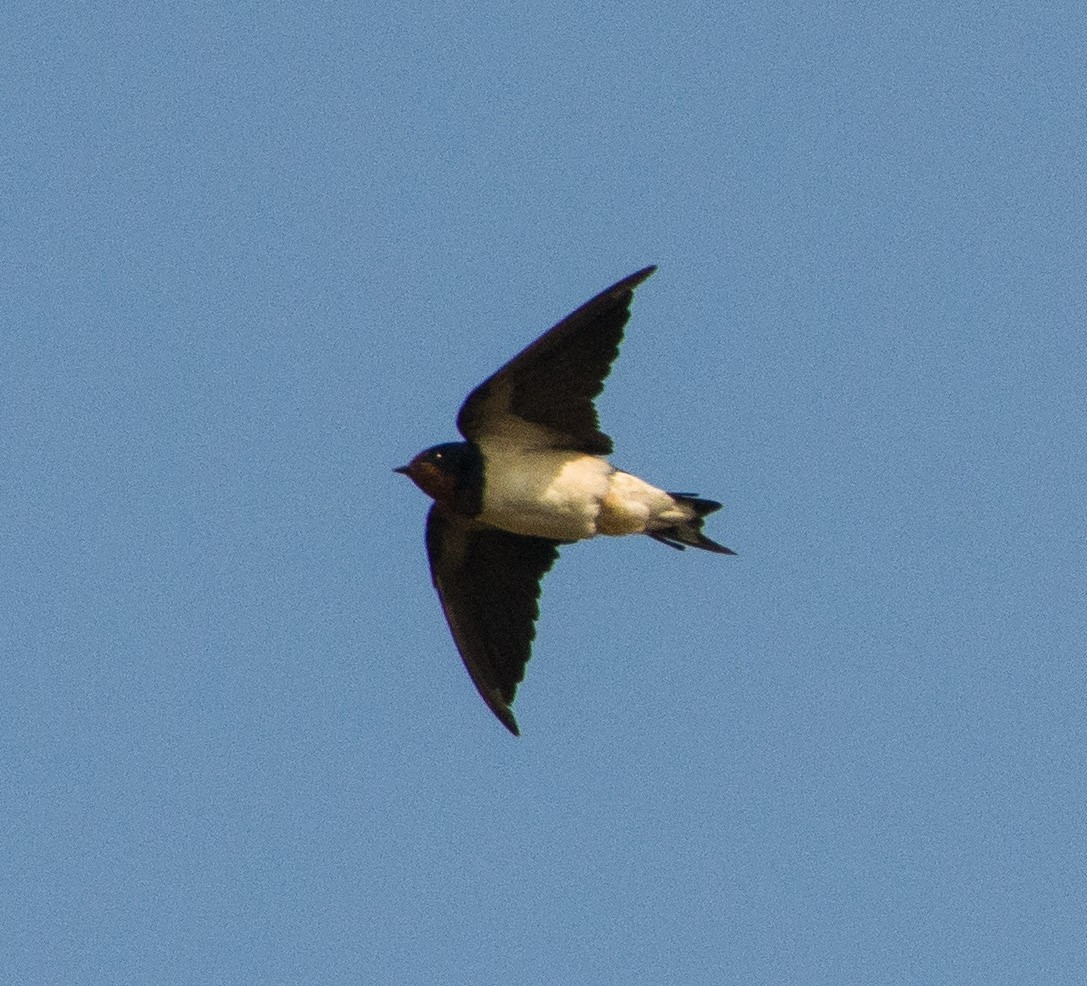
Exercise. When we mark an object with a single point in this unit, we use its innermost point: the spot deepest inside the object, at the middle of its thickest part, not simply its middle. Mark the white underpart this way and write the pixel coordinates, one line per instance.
(569, 496)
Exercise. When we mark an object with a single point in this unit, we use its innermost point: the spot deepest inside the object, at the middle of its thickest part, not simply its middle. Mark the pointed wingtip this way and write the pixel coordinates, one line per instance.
(499, 706)
(505, 716)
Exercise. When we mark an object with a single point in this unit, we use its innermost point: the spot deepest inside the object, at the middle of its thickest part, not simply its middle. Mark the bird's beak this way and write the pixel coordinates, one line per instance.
(402, 469)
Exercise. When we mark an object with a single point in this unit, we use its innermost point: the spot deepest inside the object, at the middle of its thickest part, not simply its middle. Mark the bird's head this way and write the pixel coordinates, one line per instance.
(446, 471)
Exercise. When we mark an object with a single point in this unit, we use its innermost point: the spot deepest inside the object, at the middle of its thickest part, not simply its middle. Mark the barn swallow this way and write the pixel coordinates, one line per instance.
(532, 476)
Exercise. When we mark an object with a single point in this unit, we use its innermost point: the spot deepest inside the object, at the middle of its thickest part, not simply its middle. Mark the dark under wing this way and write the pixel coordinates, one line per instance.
(553, 382)
(488, 582)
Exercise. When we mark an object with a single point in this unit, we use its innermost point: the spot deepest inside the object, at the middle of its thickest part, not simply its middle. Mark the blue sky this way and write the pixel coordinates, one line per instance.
(253, 257)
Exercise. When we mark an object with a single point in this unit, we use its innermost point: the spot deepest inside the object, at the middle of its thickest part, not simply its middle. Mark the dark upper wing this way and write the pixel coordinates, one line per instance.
(488, 582)
(553, 382)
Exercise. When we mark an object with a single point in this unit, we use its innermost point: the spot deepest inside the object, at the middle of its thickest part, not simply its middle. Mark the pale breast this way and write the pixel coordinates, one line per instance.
(544, 493)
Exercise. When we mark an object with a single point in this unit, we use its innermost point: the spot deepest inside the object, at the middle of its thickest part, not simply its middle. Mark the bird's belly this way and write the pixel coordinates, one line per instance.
(633, 506)
(545, 494)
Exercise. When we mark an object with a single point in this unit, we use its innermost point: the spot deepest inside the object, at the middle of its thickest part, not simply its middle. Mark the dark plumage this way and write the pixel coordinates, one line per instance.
(529, 478)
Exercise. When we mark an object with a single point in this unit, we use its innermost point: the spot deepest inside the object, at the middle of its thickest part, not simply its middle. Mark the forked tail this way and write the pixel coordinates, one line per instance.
(688, 533)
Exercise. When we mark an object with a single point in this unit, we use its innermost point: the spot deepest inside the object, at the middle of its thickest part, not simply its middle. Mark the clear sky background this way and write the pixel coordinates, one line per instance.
(254, 256)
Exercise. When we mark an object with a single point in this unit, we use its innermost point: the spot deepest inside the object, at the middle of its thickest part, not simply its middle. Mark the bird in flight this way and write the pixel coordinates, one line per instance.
(531, 477)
